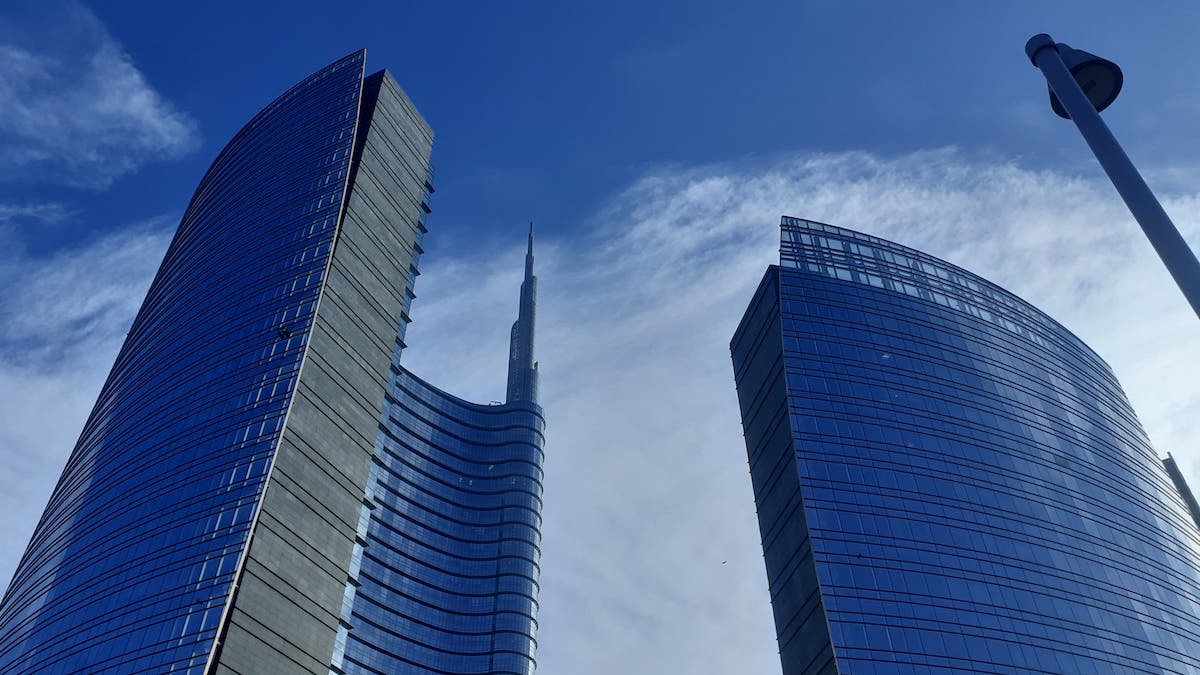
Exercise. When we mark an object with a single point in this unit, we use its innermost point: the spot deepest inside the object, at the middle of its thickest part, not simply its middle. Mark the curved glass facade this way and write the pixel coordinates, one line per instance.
(966, 485)
(131, 565)
(448, 564)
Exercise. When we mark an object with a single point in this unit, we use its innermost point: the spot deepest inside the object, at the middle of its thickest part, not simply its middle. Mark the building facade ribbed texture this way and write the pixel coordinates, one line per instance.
(134, 558)
(253, 491)
(448, 578)
(947, 480)
(445, 568)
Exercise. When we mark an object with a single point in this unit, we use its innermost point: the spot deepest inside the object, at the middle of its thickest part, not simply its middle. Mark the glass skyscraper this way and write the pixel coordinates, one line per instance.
(949, 481)
(444, 576)
(261, 488)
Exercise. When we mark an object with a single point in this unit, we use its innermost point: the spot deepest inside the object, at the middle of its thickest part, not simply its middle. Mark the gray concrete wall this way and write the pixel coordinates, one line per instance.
(285, 615)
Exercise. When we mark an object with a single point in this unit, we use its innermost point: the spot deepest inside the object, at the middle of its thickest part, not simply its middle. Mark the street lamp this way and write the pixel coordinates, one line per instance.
(1081, 85)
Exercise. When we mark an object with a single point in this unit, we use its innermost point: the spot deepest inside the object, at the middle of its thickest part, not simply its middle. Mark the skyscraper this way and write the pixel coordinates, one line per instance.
(949, 481)
(444, 576)
(261, 488)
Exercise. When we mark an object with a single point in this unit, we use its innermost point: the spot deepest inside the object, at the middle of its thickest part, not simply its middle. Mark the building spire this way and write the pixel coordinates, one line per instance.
(522, 369)
(529, 255)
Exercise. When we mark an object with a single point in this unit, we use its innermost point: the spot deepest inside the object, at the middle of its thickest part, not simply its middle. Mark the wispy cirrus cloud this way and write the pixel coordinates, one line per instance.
(19, 216)
(651, 558)
(76, 108)
(32, 212)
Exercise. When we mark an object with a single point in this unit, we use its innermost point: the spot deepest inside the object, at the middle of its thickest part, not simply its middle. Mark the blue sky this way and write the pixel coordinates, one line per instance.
(543, 110)
(656, 147)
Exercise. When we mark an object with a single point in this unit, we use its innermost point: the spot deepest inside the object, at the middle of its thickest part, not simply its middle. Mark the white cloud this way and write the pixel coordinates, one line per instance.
(17, 217)
(32, 212)
(652, 561)
(76, 108)
(62, 320)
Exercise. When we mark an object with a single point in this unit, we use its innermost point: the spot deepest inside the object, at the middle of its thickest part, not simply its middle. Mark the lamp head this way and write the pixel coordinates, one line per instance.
(1100, 79)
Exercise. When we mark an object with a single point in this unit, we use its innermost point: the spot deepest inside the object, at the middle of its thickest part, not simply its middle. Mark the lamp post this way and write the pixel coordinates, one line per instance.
(1081, 85)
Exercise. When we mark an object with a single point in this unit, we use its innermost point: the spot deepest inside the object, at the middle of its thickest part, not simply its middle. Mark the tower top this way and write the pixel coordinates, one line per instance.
(529, 255)
(522, 369)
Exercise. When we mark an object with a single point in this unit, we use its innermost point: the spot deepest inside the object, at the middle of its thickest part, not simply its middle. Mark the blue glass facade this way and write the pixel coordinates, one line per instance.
(447, 578)
(260, 487)
(131, 565)
(948, 480)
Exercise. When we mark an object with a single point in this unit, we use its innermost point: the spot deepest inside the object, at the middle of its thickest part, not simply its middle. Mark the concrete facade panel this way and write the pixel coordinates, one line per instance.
(299, 560)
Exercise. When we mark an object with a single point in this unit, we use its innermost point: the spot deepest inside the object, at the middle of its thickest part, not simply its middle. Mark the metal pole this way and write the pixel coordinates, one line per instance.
(1159, 229)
